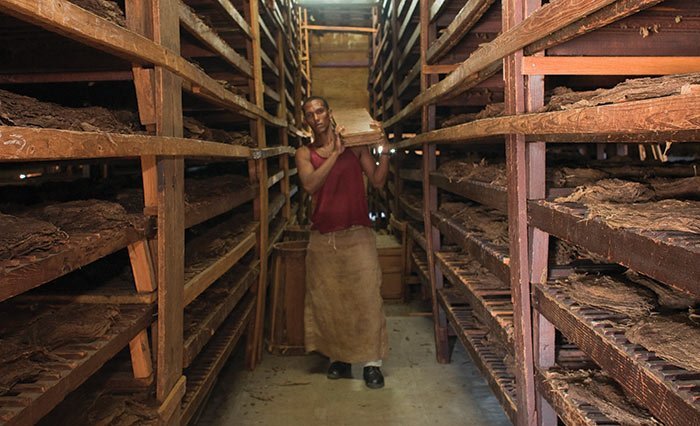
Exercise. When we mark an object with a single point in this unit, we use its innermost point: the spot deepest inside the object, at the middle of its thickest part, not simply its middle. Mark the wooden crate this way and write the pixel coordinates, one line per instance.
(391, 260)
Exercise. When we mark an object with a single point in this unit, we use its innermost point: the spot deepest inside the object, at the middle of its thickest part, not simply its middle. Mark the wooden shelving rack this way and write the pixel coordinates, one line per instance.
(235, 65)
(479, 52)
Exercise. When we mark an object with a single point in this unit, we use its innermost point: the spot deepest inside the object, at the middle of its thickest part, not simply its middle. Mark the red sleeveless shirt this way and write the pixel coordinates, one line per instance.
(341, 202)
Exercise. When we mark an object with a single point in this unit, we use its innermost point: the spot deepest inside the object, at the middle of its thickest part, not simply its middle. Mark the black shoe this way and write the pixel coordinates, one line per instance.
(339, 370)
(374, 379)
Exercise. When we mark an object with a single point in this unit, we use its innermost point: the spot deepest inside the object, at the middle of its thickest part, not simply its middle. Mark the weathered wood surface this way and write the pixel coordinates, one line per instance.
(214, 206)
(235, 16)
(492, 306)
(610, 65)
(494, 370)
(215, 315)
(658, 255)
(652, 384)
(606, 123)
(206, 367)
(273, 151)
(549, 18)
(29, 144)
(67, 19)
(34, 402)
(481, 192)
(210, 38)
(467, 17)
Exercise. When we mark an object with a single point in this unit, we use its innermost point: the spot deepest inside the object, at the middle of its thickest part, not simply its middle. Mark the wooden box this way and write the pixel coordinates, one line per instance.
(391, 261)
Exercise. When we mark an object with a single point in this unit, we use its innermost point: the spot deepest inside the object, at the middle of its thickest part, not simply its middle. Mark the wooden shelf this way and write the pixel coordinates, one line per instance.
(201, 376)
(494, 257)
(229, 290)
(422, 268)
(669, 393)
(412, 212)
(481, 192)
(198, 283)
(491, 304)
(417, 236)
(570, 411)
(18, 276)
(486, 359)
(201, 210)
(415, 175)
(655, 254)
(28, 403)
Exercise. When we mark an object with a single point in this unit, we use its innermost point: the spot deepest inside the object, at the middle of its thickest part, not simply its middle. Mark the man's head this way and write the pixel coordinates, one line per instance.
(317, 114)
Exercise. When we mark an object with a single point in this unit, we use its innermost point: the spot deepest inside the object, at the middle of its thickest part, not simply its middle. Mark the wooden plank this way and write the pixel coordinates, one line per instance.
(140, 351)
(218, 205)
(63, 17)
(407, 19)
(668, 116)
(142, 266)
(202, 375)
(410, 44)
(610, 65)
(204, 279)
(486, 359)
(29, 407)
(80, 250)
(340, 29)
(494, 258)
(590, 22)
(273, 151)
(236, 16)
(436, 8)
(550, 17)
(202, 32)
(481, 192)
(641, 380)
(66, 77)
(657, 257)
(465, 20)
(493, 308)
(31, 144)
(410, 78)
(169, 410)
(440, 69)
(210, 323)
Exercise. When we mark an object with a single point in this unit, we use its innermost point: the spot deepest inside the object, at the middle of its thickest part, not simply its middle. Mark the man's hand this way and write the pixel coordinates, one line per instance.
(338, 144)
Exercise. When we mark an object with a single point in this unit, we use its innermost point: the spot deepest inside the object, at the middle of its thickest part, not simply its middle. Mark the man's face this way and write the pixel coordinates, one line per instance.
(317, 116)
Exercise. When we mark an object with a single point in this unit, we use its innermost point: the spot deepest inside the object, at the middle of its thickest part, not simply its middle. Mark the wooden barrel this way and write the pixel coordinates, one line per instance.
(287, 305)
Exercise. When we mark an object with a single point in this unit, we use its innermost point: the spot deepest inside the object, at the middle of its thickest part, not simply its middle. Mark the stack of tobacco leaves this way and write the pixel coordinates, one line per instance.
(673, 338)
(107, 9)
(481, 171)
(605, 292)
(87, 216)
(25, 236)
(490, 223)
(597, 389)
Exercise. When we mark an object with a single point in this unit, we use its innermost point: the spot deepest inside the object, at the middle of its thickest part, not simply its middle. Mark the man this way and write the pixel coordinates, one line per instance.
(343, 315)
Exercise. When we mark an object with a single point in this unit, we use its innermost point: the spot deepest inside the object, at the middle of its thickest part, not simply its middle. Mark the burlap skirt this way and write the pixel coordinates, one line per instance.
(344, 314)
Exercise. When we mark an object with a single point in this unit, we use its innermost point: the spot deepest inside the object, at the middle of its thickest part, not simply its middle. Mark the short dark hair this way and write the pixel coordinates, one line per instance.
(315, 98)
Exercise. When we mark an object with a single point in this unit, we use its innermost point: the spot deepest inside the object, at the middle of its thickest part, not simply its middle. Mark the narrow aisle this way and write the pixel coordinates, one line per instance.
(293, 391)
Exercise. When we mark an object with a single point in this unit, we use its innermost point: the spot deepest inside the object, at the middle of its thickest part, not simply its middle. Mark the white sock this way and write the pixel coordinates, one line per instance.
(377, 363)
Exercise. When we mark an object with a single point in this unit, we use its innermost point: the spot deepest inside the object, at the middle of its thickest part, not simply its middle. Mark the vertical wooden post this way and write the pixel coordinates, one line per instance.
(430, 200)
(283, 132)
(396, 104)
(543, 331)
(517, 225)
(258, 133)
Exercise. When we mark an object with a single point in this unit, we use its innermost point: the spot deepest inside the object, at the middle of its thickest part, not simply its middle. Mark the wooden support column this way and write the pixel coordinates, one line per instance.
(543, 331)
(516, 161)
(283, 131)
(430, 200)
(396, 104)
(254, 350)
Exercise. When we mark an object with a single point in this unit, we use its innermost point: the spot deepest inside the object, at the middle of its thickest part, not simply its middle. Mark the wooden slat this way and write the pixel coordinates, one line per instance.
(210, 323)
(63, 17)
(340, 29)
(210, 38)
(140, 351)
(667, 117)
(615, 355)
(215, 206)
(204, 279)
(590, 22)
(481, 192)
(654, 254)
(410, 78)
(30, 144)
(550, 17)
(273, 151)
(236, 16)
(494, 258)
(407, 19)
(30, 407)
(610, 65)
(465, 20)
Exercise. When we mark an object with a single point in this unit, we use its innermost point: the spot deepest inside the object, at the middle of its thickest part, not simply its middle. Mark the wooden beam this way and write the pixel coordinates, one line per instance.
(30, 144)
(340, 29)
(62, 77)
(65, 18)
(669, 115)
(550, 17)
(465, 20)
(201, 31)
(610, 65)
(440, 69)
(236, 16)
(591, 22)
